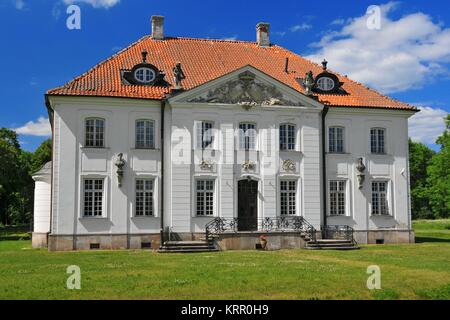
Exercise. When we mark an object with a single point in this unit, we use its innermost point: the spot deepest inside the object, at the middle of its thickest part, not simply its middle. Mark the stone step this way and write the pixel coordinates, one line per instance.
(203, 247)
(184, 250)
(333, 248)
(184, 243)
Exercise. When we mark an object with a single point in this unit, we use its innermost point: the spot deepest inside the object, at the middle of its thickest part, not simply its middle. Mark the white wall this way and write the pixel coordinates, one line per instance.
(73, 162)
(392, 167)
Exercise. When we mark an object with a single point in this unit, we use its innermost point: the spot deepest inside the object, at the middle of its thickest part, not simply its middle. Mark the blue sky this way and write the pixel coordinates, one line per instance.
(408, 57)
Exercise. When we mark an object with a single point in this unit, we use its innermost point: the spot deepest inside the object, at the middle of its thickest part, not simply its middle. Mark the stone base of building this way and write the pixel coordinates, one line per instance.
(103, 242)
(39, 240)
(226, 241)
(384, 236)
(252, 241)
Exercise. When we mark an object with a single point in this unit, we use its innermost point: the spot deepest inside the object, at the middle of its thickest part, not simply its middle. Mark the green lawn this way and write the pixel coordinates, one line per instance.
(420, 271)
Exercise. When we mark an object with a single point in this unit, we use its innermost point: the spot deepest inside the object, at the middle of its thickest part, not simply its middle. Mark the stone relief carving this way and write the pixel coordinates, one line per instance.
(248, 165)
(206, 165)
(120, 163)
(288, 165)
(246, 91)
(360, 167)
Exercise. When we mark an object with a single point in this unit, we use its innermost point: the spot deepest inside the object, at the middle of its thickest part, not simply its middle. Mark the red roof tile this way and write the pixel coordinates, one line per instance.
(204, 60)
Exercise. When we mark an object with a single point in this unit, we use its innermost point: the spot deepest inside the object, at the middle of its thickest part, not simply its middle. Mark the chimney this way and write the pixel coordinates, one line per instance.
(158, 27)
(262, 34)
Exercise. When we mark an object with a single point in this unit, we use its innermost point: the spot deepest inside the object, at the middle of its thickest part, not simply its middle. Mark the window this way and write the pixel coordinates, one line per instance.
(379, 198)
(336, 139)
(288, 194)
(145, 134)
(377, 140)
(325, 84)
(337, 198)
(247, 136)
(205, 197)
(145, 75)
(93, 198)
(205, 137)
(95, 133)
(287, 137)
(144, 198)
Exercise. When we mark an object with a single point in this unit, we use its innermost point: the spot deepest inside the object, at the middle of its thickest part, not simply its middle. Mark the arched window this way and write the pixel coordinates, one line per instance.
(145, 134)
(287, 137)
(95, 133)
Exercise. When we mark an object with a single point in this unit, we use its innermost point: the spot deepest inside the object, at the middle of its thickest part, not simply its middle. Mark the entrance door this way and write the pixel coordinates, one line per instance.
(247, 205)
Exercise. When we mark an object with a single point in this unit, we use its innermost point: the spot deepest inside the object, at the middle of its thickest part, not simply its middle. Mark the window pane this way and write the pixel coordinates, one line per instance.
(93, 198)
(337, 197)
(288, 195)
(205, 197)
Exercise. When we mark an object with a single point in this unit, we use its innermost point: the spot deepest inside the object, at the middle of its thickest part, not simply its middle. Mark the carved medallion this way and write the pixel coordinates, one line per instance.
(288, 165)
(248, 165)
(206, 165)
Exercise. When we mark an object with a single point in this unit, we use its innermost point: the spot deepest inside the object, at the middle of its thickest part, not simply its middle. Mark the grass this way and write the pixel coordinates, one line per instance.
(419, 271)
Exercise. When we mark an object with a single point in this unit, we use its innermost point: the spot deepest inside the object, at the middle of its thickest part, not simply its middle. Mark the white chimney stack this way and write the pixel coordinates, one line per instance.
(158, 27)
(262, 34)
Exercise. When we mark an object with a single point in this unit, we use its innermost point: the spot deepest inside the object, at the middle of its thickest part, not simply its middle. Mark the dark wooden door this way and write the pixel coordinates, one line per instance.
(247, 205)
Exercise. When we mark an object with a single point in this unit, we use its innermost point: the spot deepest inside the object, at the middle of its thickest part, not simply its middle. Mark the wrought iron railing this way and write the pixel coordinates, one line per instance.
(276, 224)
(338, 232)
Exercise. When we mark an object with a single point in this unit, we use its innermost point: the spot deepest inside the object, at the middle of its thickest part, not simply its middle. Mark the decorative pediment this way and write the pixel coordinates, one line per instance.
(246, 90)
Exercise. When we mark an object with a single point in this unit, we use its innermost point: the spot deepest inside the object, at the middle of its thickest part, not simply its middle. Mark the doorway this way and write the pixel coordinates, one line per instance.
(247, 205)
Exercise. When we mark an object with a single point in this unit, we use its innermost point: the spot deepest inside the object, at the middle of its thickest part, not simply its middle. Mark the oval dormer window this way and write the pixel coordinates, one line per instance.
(325, 84)
(144, 75)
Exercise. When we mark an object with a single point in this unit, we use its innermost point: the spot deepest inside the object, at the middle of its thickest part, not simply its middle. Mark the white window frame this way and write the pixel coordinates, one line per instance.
(150, 144)
(152, 191)
(201, 134)
(214, 197)
(333, 141)
(243, 136)
(324, 84)
(387, 193)
(377, 140)
(83, 194)
(94, 140)
(284, 142)
(295, 201)
(329, 195)
(146, 72)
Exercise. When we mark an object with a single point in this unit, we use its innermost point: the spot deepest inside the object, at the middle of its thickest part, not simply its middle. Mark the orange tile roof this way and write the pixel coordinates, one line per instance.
(204, 60)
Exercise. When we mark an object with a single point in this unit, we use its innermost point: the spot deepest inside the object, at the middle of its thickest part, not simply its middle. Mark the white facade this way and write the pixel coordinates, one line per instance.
(73, 162)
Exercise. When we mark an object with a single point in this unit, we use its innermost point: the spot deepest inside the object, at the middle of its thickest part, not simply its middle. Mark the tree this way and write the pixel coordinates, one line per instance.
(419, 159)
(13, 173)
(439, 176)
(41, 156)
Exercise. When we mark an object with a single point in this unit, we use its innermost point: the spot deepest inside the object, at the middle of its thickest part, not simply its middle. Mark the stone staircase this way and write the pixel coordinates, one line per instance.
(331, 244)
(188, 247)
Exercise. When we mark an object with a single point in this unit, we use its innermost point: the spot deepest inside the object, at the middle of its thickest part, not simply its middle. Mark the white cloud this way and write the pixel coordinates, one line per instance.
(300, 27)
(40, 128)
(427, 125)
(95, 3)
(404, 54)
(19, 4)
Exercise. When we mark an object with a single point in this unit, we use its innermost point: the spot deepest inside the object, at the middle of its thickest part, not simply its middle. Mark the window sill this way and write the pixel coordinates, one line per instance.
(145, 149)
(338, 153)
(94, 148)
(143, 217)
(209, 217)
(94, 218)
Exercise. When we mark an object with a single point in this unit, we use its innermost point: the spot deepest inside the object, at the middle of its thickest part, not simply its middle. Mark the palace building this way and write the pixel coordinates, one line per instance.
(182, 144)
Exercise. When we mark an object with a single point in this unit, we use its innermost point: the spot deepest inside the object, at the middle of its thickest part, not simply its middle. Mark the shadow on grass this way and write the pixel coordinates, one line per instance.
(431, 239)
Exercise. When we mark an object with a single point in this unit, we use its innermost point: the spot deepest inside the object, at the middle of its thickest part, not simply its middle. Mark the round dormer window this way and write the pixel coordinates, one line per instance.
(325, 84)
(144, 75)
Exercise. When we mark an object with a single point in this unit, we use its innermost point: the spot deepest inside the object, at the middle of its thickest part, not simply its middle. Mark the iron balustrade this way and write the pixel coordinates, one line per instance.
(338, 232)
(276, 224)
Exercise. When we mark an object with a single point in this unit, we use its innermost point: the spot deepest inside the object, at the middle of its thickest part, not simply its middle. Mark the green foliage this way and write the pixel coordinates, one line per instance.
(439, 176)
(41, 156)
(419, 159)
(16, 184)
